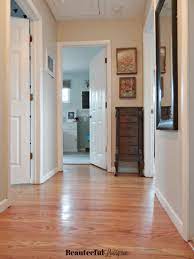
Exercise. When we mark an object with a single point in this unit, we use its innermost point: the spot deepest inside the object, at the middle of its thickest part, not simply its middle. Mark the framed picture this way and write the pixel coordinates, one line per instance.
(126, 61)
(71, 116)
(127, 87)
(50, 64)
(163, 60)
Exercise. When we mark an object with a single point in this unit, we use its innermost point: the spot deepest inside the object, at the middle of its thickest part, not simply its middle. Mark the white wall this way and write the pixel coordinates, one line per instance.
(127, 33)
(191, 121)
(4, 100)
(49, 90)
(169, 144)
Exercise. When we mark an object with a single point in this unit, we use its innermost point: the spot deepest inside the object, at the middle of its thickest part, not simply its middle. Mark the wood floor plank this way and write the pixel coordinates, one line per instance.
(86, 208)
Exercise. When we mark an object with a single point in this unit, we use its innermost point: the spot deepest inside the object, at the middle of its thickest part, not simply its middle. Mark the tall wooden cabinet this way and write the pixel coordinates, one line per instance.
(129, 137)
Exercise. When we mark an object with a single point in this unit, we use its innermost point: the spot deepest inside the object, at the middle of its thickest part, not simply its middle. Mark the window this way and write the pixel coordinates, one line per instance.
(66, 95)
(85, 100)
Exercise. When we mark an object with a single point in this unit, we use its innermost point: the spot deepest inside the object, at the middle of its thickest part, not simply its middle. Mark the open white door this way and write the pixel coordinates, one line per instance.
(149, 99)
(98, 124)
(20, 102)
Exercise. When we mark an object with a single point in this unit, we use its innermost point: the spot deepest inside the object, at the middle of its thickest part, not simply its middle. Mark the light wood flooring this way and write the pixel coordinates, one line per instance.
(86, 208)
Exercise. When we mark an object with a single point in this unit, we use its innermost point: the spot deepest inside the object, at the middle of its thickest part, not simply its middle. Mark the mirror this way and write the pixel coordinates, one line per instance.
(166, 63)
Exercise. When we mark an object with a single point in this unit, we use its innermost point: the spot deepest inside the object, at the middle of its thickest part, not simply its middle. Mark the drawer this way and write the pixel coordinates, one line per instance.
(128, 158)
(129, 150)
(128, 126)
(128, 132)
(128, 119)
(128, 141)
(128, 111)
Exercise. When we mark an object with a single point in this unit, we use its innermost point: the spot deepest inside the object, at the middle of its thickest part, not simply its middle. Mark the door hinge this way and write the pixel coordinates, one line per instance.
(106, 149)
(31, 38)
(31, 97)
(106, 60)
(106, 105)
(31, 156)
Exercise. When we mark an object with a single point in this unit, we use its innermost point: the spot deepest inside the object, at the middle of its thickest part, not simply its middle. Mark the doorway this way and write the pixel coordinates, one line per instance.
(84, 103)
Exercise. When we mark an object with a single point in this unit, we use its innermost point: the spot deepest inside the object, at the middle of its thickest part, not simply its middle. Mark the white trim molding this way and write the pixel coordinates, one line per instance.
(171, 213)
(60, 46)
(49, 175)
(4, 205)
(37, 87)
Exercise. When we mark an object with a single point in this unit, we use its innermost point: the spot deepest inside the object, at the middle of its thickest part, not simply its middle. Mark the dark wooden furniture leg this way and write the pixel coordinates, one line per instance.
(116, 168)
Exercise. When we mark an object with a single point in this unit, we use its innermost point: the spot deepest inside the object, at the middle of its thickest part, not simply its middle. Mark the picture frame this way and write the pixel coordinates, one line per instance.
(50, 64)
(163, 60)
(71, 116)
(127, 87)
(126, 59)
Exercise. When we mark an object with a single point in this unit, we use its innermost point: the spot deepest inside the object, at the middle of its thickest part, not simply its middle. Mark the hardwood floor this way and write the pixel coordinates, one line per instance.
(86, 208)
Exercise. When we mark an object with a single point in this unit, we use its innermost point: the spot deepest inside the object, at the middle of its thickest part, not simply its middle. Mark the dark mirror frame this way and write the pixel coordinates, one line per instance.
(171, 124)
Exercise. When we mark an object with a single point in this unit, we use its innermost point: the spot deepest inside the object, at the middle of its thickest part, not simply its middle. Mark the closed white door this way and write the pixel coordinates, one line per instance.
(20, 102)
(98, 122)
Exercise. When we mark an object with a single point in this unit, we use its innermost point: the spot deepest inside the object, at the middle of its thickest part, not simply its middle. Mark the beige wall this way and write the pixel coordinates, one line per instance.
(122, 34)
(49, 90)
(4, 114)
(169, 154)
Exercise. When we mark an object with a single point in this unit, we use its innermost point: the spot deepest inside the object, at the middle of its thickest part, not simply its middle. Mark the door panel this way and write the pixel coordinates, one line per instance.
(98, 124)
(20, 102)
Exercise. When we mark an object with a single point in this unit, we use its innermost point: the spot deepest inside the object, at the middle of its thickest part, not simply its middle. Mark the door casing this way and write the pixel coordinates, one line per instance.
(60, 46)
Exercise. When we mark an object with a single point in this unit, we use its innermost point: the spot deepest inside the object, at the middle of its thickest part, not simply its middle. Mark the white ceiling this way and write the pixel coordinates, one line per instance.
(77, 59)
(96, 9)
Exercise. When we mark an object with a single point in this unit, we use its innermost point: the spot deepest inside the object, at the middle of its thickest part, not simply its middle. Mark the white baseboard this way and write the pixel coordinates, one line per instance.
(4, 205)
(113, 170)
(171, 213)
(50, 174)
(191, 245)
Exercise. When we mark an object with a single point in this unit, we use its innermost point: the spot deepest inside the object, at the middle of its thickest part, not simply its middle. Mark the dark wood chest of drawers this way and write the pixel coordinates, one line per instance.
(129, 137)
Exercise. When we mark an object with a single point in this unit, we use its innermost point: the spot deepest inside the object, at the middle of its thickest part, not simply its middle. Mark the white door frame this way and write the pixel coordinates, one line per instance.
(37, 85)
(148, 35)
(186, 26)
(60, 46)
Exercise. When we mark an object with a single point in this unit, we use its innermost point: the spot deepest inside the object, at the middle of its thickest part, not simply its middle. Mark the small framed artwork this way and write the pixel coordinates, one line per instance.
(50, 64)
(71, 116)
(163, 60)
(126, 61)
(127, 87)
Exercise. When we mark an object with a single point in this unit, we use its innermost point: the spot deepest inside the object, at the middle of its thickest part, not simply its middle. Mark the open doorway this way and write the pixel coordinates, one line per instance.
(84, 105)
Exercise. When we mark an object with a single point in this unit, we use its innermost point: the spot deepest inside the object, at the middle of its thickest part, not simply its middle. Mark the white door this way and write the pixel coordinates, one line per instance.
(98, 122)
(149, 113)
(20, 102)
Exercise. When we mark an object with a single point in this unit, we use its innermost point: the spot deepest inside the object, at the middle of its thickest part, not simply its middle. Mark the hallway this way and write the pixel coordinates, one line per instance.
(85, 208)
